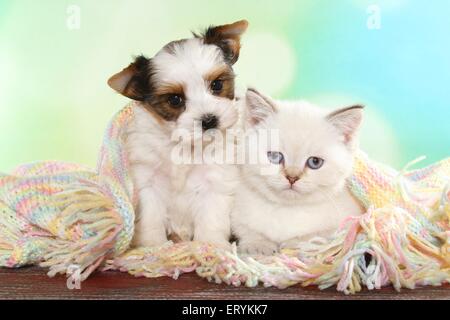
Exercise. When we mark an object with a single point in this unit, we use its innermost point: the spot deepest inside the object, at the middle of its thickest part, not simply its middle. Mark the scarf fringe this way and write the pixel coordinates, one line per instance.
(80, 237)
(374, 250)
(91, 225)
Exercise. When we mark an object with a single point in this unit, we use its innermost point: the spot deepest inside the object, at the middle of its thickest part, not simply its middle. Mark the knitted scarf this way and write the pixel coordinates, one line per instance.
(75, 220)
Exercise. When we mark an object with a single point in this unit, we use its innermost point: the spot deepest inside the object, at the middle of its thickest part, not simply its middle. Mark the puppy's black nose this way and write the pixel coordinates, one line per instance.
(209, 121)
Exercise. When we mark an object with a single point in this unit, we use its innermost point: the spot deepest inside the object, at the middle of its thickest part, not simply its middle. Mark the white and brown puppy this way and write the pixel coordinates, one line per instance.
(188, 84)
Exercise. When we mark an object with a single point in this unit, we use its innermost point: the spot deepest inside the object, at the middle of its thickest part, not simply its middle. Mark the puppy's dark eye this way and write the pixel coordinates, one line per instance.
(217, 86)
(175, 100)
(275, 157)
(315, 163)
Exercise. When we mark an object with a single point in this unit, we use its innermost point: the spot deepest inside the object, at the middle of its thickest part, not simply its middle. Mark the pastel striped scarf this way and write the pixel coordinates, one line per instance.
(75, 220)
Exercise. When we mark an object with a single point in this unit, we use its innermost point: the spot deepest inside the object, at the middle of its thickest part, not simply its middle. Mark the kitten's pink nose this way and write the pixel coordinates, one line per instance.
(292, 180)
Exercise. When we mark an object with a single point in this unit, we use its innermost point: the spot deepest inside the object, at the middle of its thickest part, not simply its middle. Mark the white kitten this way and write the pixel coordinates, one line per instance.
(306, 195)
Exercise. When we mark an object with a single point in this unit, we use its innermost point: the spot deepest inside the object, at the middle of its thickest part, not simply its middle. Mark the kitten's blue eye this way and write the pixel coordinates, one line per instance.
(315, 163)
(275, 157)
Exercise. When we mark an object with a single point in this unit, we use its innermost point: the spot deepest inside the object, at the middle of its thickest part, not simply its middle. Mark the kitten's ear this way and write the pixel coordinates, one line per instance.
(347, 121)
(133, 81)
(227, 38)
(259, 107)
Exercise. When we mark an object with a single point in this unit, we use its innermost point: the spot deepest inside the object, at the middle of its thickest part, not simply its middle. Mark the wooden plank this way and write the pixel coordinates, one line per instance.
(33, 283)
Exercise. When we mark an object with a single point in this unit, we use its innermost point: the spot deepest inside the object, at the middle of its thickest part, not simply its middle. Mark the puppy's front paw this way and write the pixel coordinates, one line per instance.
(216, 241)
(149, 239)
(259, 247)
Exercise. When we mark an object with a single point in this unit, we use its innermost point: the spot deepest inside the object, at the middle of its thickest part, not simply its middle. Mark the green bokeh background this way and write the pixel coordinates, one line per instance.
(55, 104)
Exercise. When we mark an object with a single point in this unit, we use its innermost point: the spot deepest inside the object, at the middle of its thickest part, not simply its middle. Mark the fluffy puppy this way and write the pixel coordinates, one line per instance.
(189, 86)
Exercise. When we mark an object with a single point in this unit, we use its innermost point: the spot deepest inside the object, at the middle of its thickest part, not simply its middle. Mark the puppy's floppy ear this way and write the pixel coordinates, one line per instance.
(133, 81)
(347, 121)
(227, 38)
(259, 107)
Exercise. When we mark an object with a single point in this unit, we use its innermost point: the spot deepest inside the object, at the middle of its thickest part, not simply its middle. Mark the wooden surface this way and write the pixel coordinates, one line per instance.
(33, 283)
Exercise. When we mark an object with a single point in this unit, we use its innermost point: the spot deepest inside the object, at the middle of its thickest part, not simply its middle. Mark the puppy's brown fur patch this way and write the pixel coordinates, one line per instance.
(162, 107)
(169, 88)
(227, 38)
(133, 81)
(226, 75)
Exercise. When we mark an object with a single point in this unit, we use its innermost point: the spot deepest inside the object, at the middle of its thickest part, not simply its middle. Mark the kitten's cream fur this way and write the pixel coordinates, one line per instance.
(269, 213)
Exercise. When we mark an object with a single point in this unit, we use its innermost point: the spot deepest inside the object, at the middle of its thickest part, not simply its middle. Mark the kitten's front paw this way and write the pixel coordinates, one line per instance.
(292, 244)
(262, 247)
(224, 245)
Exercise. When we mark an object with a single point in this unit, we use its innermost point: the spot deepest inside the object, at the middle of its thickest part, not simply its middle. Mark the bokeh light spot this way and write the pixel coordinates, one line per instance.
(377, 136)
(267, 62)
